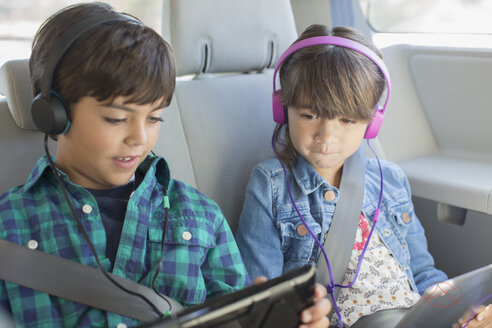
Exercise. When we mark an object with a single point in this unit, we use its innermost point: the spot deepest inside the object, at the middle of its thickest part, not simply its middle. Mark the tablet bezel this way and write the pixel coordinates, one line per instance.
(260, 306)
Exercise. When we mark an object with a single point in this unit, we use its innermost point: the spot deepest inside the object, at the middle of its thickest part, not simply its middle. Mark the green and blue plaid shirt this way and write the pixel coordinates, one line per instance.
(201, 259)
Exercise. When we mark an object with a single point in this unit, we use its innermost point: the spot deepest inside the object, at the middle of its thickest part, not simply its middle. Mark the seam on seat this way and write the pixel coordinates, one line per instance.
(186, 139)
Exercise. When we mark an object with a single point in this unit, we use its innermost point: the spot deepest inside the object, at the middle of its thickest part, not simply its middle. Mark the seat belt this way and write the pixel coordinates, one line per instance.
(79, 283)
(341, 235)
(382, 319)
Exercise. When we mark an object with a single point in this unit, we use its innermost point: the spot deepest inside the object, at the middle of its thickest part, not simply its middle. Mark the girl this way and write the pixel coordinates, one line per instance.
(330, 93)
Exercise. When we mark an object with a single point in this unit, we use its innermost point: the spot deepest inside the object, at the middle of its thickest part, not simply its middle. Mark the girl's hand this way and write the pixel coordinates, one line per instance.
(482, 318)
(315, 316)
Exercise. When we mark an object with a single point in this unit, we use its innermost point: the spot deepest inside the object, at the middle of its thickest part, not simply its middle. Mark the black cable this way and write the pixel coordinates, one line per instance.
(166, 217)
(86, 237)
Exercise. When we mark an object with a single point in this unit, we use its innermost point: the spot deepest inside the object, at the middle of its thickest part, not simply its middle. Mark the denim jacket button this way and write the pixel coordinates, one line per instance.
(330, 195)
(386, 232)
(405, 217)
(302, 230)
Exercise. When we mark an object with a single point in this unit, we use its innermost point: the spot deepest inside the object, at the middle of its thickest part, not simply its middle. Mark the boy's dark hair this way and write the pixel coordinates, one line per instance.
(331, 81)
(116, 58)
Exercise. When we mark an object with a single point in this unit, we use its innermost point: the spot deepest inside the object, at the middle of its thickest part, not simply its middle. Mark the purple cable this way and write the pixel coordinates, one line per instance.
(331, 286)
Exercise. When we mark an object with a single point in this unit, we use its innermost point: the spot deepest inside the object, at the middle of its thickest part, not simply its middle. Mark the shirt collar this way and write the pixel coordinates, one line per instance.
(41, 166)
(306, 176)
(155, 166)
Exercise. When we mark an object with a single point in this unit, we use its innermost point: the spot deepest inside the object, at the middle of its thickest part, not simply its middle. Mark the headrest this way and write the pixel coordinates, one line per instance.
(217, 36)
(16, 87)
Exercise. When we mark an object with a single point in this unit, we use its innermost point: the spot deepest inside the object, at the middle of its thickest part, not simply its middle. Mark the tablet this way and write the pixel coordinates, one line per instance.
(275, 303)
(444, 303)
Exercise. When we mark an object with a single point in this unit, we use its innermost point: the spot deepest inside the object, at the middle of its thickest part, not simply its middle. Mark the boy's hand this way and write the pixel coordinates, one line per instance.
(482, 318)
(314, 316)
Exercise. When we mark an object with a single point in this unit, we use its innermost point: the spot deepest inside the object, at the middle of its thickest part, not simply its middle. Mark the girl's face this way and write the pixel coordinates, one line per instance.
(325, 143)
(107, 142)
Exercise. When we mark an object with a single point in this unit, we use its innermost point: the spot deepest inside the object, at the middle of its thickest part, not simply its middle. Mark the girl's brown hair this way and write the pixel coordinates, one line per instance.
(331, 81)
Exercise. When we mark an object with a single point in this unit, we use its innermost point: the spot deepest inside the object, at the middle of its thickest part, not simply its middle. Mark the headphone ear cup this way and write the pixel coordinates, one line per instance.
(278, 109)
(376, 122)
(49, 115)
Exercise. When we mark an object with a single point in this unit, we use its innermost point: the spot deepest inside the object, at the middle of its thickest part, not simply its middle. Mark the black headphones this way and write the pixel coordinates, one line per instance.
(47, 110)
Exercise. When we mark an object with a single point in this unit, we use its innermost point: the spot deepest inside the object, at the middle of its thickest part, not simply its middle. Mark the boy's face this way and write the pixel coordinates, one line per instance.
(106, 143)
(325, 143)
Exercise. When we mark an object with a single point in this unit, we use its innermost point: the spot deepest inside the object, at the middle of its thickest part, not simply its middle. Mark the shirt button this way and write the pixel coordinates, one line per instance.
(186, 235)
(302, 230)
(330, 195)
(87, 209)
(386, 232)
(32, 244)
(121, 325)
(405, 217)
(407, 267)
(326, 235)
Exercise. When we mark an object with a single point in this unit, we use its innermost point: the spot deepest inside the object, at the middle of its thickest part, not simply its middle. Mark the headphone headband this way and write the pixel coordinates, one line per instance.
(278, 110)
(67, 38)
(48, 112)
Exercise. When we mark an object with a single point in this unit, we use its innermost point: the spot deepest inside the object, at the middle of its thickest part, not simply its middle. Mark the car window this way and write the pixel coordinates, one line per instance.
(20, 19)
(424, 16)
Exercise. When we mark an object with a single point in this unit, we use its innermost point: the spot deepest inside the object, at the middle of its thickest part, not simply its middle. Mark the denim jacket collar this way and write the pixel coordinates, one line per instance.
(306, 176)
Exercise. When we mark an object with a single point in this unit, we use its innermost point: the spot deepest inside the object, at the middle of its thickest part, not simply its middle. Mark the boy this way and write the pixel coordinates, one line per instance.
(110, 204)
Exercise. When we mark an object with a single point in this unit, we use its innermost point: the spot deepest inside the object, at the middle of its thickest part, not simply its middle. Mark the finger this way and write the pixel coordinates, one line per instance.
(321, 323)
(484, 316)
(479, 324)
(319, 291)
(260, 280)
(470, 314)
(317, 311)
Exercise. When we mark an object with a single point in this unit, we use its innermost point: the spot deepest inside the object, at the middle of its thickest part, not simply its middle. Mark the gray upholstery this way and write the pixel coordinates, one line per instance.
(20, 143)
(240, 36)
(227, 118)
(172, 144)
(228, 124)
(20, 149)
(15, 86)
(216, 128)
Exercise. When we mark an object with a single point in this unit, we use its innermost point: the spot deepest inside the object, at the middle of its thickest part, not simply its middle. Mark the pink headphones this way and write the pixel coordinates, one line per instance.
(279, 112)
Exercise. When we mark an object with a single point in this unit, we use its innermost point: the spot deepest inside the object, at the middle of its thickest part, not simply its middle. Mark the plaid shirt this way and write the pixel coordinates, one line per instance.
(201, 257)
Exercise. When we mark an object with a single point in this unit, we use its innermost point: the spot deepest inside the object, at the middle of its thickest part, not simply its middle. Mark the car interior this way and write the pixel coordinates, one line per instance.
(219, 124)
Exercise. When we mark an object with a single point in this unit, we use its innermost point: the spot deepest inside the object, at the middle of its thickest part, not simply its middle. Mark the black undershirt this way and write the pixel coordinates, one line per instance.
(112, 207)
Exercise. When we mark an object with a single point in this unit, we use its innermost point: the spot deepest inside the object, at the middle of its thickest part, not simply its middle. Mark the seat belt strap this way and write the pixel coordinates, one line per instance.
(79, 283)
(341, 235)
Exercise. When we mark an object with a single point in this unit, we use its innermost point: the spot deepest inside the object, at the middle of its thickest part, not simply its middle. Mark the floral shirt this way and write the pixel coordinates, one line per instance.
(381, 284)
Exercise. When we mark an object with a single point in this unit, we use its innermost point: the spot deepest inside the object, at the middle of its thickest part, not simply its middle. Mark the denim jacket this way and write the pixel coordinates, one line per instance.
(268, 236)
